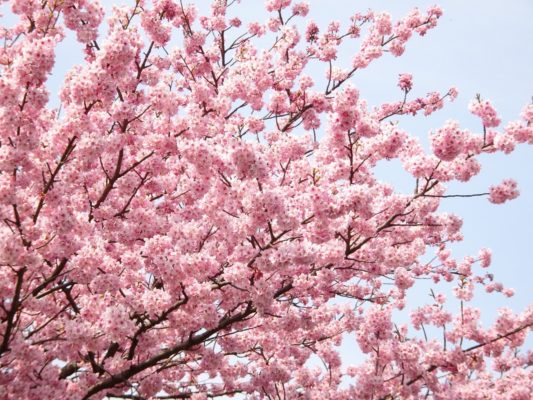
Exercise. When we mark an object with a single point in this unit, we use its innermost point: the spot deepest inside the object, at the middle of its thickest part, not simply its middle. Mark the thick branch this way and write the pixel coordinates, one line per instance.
(11, 315)
(193, 340)
(115, 177)
(55, 274)
(152, 323)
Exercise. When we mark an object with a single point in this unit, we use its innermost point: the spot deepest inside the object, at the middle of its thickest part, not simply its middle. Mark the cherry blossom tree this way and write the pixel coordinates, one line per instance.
(201, 217)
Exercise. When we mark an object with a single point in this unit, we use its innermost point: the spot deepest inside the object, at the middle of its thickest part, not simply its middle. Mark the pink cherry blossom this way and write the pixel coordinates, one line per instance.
(484, 110)
(202, 218)
(506, 190)
(301, 8)
(405, 82)
(449, 141)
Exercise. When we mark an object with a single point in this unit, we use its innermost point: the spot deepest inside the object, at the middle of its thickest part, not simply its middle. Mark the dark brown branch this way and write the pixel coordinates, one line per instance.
(13, 310)
(193, 340)
(161, 318)
(115, 177)
(125, 209)
(289, 124)
(456, 195)
(55, 274)
(49, 184)
(18, 224)
(56, 288)
(143, 66)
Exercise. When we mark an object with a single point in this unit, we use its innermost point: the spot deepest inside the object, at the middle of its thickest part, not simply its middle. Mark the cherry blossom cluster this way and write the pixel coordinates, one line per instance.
(485, 111)
(507, 190)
